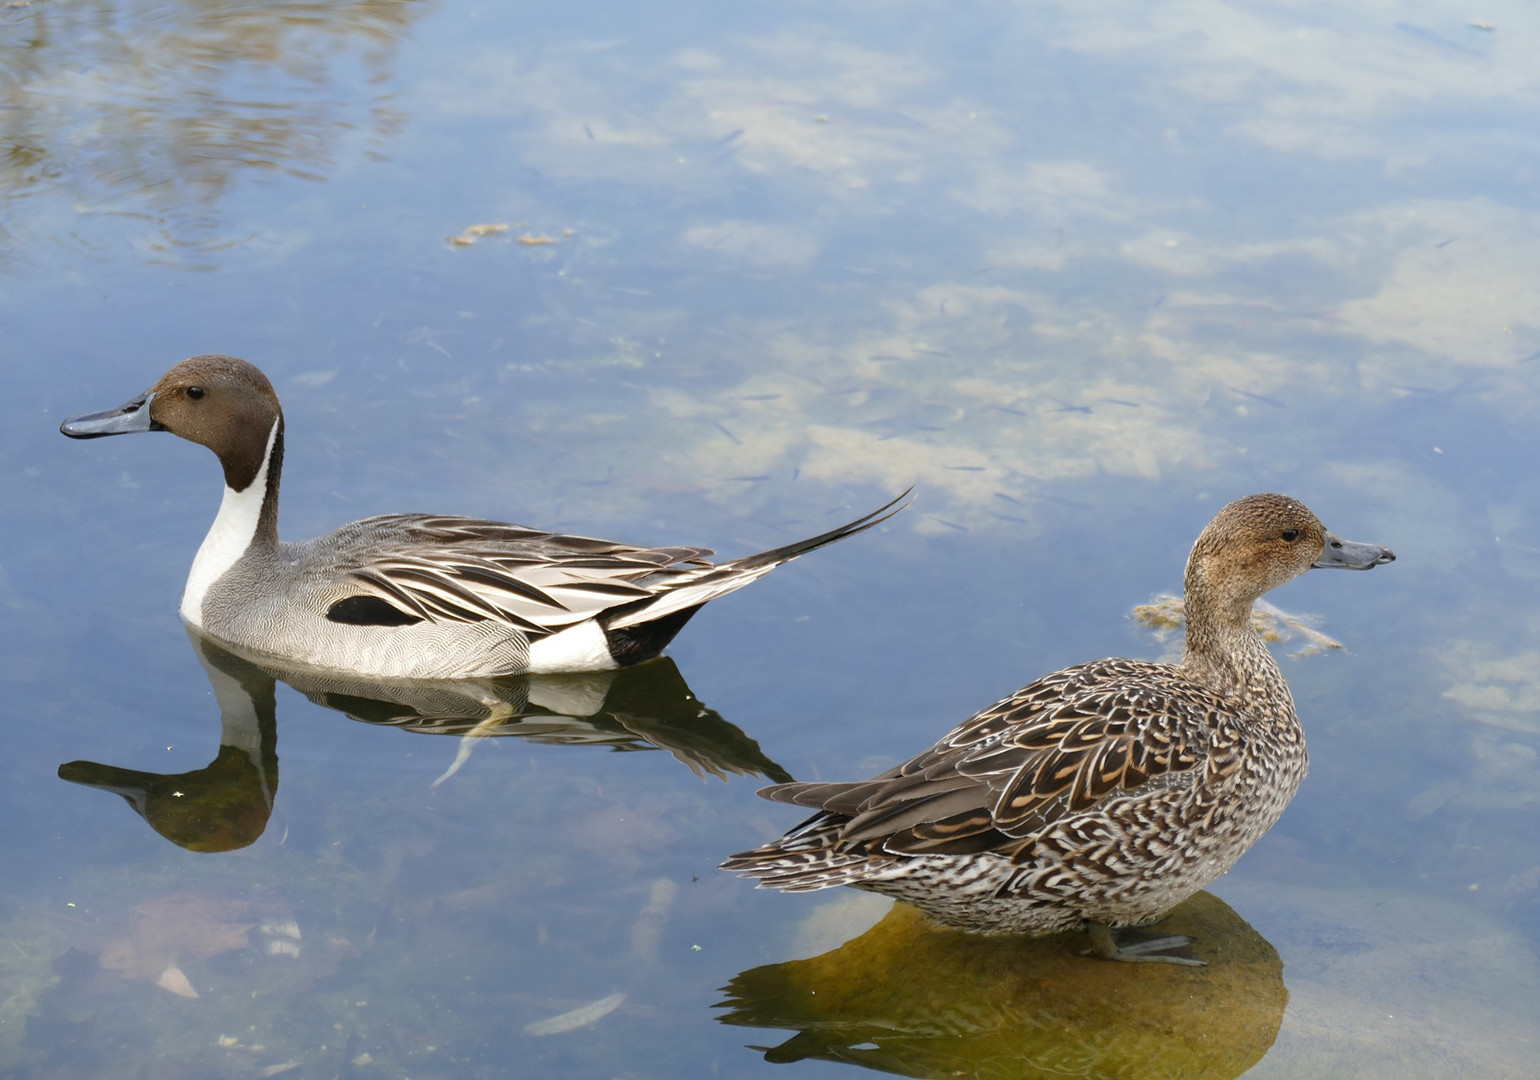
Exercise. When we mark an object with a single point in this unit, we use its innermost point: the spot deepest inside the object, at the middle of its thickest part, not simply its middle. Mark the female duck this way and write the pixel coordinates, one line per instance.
(1099, 796)
(412, 595)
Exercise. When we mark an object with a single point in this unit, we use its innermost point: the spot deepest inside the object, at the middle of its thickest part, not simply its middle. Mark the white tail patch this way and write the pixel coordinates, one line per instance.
(577, 648)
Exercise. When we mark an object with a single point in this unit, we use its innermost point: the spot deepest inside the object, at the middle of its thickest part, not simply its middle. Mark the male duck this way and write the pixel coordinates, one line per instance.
(1099, 796)
(412, 595)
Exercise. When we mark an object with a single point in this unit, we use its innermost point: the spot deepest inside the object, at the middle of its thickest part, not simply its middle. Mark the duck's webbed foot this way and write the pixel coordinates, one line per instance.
(1141, 946)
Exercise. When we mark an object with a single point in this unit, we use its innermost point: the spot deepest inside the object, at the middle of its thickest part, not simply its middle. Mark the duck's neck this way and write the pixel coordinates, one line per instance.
(247, 524)
(1224, 651)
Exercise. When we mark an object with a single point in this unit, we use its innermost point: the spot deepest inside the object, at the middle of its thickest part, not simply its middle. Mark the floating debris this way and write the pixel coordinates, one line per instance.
(174, 980)
(471, 233)
(1166, 613)
(580, 1017)
(1163, 614)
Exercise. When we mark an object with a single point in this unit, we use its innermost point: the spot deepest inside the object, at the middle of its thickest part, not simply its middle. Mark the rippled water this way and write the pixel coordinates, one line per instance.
(1082, 274)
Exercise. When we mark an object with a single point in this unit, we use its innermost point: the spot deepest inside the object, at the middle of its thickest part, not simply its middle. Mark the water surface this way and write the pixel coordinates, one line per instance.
(1080, 274)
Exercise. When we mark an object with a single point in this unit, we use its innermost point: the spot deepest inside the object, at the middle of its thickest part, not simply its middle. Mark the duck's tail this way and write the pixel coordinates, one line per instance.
(673, 605)
(812, 856)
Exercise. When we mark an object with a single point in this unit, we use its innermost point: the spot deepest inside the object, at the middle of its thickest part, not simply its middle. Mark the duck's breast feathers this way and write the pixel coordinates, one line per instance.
(417, 567)
(1063, 745)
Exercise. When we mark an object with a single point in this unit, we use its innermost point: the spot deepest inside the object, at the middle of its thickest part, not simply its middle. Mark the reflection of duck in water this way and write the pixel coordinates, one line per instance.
(226, 804)
(908, 998)
(1099, 796)
(645, 707)
(422, 596)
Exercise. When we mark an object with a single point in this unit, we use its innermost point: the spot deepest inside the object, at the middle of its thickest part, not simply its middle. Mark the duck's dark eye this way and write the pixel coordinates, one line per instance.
(195, 392)
(1291, 535)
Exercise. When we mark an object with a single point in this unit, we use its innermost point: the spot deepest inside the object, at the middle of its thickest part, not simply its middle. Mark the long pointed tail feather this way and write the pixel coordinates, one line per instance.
(736, 573)
(787, 552)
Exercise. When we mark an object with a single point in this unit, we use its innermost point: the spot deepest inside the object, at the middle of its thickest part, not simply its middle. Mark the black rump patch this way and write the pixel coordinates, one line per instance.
(634, 644)
(366, 610)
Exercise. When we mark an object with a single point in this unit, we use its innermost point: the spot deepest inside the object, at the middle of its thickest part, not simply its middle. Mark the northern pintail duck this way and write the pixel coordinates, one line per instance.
(412, 595)
(1099, 796)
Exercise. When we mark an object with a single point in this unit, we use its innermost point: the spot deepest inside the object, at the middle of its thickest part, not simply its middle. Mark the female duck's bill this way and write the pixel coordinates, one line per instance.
(413, 595)
(1351, 555)
(1099, 796)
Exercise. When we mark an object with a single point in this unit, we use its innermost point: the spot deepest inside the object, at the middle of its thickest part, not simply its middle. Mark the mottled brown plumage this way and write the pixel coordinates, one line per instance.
(1102, 794)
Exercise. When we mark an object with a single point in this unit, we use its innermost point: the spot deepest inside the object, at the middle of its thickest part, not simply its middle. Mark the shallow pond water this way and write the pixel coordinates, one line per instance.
(729, 277)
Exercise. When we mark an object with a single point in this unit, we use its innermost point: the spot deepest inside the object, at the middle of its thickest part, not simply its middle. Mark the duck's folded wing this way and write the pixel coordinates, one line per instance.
(1058, 747)
(449, 569)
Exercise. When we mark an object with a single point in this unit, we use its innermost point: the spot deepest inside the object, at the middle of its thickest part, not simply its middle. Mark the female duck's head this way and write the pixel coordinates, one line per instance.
(1257, 543)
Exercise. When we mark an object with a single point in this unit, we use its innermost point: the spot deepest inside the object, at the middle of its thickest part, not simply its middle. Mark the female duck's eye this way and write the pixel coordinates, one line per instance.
(1291, 535)
(195, 392)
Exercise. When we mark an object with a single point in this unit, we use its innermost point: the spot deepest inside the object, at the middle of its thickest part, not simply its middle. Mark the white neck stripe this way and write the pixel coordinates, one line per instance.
(228, 538)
